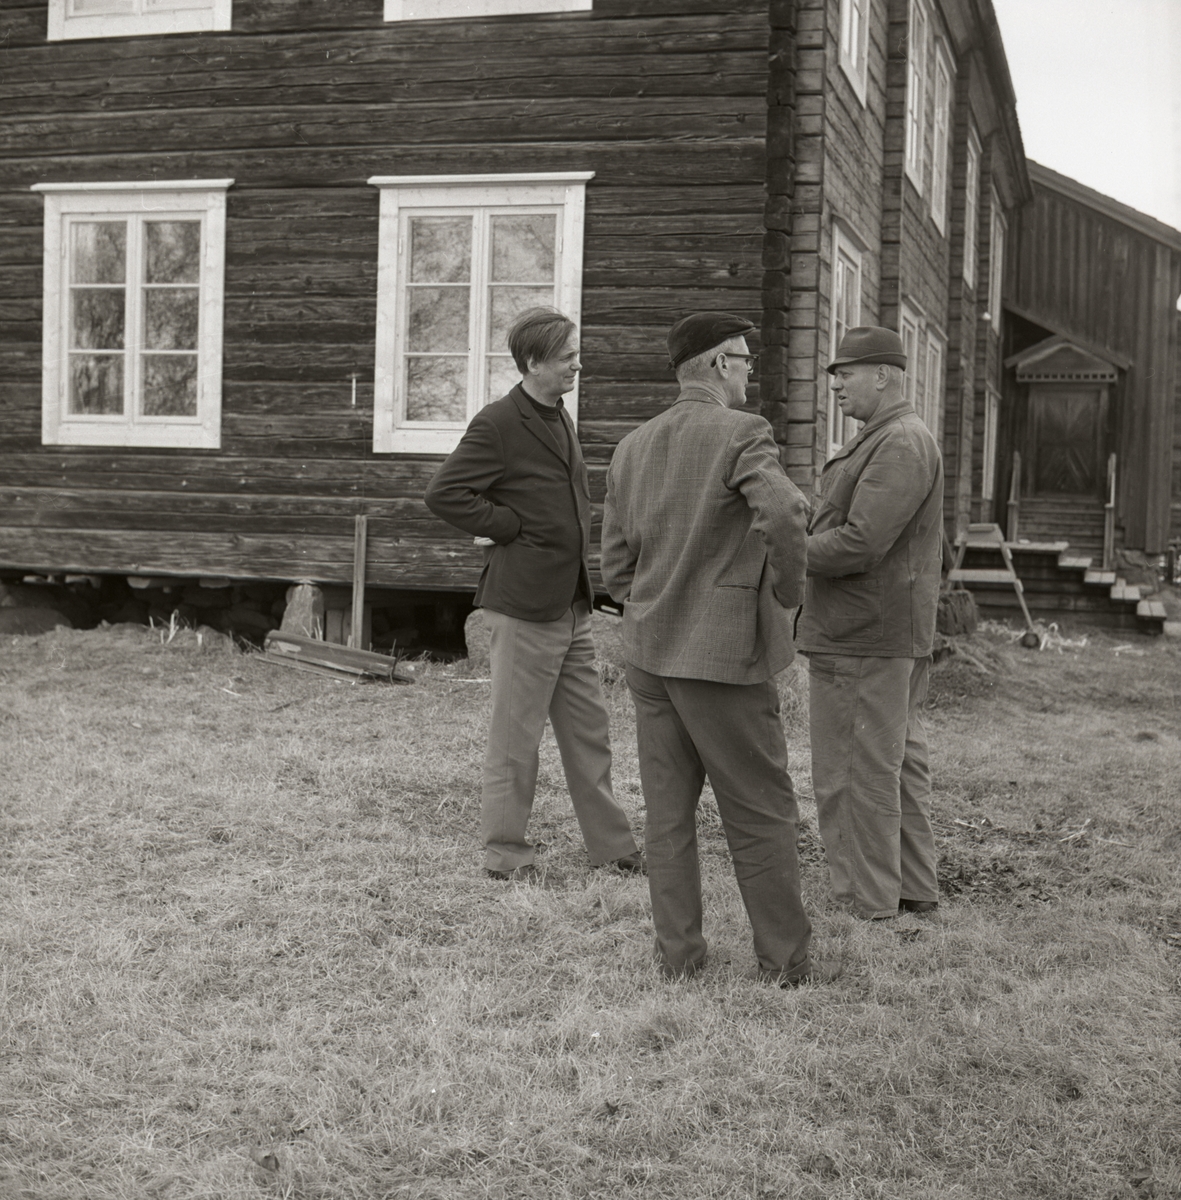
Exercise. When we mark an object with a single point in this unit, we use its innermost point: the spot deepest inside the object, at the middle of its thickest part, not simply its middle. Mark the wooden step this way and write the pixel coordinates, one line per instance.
(1074, 562)
(1122, 590)
(981, 575)
(1106, 578)
(1152, 609)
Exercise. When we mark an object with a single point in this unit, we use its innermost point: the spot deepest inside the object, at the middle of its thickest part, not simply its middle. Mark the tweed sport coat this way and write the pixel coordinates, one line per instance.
(875, 545)
(509, 480)
(703, 543)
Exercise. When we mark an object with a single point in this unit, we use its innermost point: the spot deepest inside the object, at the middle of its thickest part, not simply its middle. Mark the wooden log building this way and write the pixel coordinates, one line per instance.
(257, 257)
(1091, 378)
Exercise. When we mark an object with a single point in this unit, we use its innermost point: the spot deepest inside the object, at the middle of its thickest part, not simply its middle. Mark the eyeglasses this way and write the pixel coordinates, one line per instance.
(751, 359)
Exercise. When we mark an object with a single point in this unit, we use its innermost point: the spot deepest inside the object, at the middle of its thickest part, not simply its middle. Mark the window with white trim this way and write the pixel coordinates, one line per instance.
(459, 257)
(846, 313)
(916, 92)
(70, 19)
(971, 206)
(941, 138)
(931, 409)
(429, 10)
(909, 328)
(996, 262)
(133, 313)
(992, 408)
(854, 56)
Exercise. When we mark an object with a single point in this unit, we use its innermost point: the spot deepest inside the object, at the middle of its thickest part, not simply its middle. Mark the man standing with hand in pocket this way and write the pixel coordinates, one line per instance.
(518, 480)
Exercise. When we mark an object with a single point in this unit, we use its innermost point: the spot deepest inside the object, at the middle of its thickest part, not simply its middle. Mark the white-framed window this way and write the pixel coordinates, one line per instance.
(846, 313)
(992, 408)
(133, 313)
(916, 92)
(910, 326)
(134, 18)
(971, 206)
(854, 57)
(429, 10)
(931, 408)
(941, 138)
(458, 258)
(996, 261)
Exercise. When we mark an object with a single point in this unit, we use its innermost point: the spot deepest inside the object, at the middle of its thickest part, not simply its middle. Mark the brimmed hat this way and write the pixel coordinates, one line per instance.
(869, 344)
(703, 331)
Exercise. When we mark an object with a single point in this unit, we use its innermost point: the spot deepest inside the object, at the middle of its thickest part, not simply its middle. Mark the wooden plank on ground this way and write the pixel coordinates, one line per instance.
(294, 647)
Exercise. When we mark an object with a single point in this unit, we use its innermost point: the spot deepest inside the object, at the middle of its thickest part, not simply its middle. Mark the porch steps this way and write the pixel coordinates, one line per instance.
(1058, 583)
(1077, 521)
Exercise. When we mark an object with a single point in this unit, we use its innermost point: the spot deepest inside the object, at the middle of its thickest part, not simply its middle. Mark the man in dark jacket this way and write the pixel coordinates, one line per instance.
(867, 625)
(518, 483)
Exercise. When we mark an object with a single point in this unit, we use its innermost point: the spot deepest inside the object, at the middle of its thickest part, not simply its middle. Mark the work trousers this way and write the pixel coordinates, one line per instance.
(540, 669)
(872, 779)
(691, 729)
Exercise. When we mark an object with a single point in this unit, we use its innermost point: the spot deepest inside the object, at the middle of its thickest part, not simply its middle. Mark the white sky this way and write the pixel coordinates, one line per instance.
(1098, 86)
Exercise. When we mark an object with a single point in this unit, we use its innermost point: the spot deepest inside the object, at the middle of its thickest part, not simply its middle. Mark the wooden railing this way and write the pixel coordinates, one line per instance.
(1109, 516)
(1014, 513)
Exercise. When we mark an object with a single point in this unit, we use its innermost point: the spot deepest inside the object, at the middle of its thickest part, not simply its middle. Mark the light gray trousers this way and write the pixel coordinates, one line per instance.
(540, 669)
(872, 779)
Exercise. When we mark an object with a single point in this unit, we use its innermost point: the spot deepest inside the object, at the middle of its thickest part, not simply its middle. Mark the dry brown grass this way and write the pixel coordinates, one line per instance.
(246, 951)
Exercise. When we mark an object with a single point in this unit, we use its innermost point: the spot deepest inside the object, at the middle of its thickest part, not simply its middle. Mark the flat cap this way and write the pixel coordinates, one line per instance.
(699, 332)
(869, 344)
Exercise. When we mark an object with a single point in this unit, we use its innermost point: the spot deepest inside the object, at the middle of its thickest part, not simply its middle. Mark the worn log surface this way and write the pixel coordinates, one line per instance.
(665, 100)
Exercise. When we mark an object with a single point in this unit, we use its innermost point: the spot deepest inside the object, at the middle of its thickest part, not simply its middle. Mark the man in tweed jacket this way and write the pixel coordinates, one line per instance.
(703, 544)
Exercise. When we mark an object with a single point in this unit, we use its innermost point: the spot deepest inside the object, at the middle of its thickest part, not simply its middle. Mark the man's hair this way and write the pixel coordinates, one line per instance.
(538, 333)
(699, 366)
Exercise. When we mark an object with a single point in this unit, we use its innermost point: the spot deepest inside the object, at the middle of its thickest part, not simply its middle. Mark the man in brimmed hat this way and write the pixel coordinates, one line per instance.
(703, 544)
(867, 626)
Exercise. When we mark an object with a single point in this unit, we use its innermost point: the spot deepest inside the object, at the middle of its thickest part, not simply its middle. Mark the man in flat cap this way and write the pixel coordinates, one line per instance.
(867, 626)
(518, 483)
(703, 544)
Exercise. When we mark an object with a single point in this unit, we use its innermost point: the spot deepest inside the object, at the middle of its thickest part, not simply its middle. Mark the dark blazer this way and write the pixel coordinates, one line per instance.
(509, 479)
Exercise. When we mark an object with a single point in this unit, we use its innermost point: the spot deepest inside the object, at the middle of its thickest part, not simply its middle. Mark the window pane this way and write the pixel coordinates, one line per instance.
(508, 303)
(503, 376)
(438, 319)
(88, 8)
(440, 249)
(523, 248)
(170, 385)
(96, 318)
(98, 252)
(172, 252)
(171, 317)
(96, 383)
(436, 389)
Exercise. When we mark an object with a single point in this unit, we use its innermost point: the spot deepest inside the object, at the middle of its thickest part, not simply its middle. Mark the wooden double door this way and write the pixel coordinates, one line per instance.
(1066, 441)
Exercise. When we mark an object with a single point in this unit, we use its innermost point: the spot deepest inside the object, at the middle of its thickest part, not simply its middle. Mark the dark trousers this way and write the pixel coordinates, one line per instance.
(691, 729)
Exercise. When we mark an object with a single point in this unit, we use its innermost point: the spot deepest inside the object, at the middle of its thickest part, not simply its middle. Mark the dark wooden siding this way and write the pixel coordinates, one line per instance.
(666, 100)
(1076, 269)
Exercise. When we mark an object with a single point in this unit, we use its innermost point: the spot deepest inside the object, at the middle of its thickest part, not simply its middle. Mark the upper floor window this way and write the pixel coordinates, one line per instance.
(971, 206)
(428, 10)
(940, 139)
(996, 262)
(916, 92)
(855, 43)
(132, 331)
(846, 313)
(134, 18)
(459, 257)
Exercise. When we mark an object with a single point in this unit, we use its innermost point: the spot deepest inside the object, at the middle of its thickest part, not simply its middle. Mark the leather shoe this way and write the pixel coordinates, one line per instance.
(918, 906)
(813, 973)
(631, 864)
(526, 874)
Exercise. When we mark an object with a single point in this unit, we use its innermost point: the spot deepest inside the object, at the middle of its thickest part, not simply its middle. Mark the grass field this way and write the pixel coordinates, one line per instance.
(246, 950)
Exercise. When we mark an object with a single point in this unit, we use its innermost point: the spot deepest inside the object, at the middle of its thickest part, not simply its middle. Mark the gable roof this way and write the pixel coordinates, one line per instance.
(1058, 359)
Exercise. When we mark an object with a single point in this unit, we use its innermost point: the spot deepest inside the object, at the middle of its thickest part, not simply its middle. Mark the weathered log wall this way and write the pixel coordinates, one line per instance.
(665, 100)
